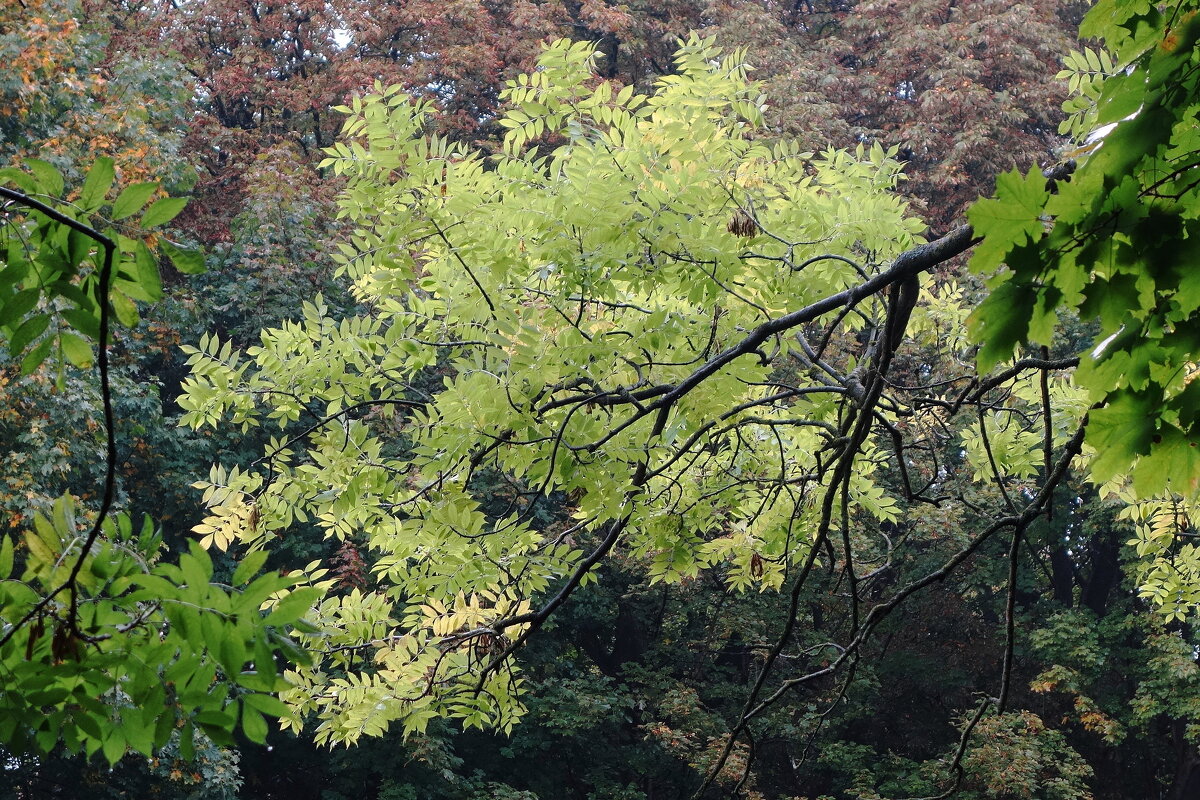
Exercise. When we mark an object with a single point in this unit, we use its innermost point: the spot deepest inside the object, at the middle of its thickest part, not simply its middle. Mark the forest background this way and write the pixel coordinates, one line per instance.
(634, 686)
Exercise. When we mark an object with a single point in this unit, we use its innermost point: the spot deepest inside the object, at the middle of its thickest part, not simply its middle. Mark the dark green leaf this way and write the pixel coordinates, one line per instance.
(18, 306)
(148, 277)
(1121, 431)
(187, 744)
(29, 330)
(189, 262)
(83, 321)
(34, 358)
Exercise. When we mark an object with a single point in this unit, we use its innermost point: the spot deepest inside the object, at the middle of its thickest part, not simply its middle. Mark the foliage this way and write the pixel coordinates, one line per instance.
(53, 271)
(625, 227)
(70, 99)
(1116, 249)
(211, 774)
(650, 675)
(101, 647)
(1015, 756)
(963, 90)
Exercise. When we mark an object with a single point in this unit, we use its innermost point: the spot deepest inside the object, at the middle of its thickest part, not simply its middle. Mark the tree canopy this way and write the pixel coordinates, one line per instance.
(653, 419)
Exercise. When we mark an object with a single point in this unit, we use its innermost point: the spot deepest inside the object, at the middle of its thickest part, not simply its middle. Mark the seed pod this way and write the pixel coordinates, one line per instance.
(742, 224)
(35, 632)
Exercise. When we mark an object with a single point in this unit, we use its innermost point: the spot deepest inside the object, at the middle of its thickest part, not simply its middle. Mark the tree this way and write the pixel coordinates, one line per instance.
(673, 444)
(651, 336)
(964, 90)
(70, 98)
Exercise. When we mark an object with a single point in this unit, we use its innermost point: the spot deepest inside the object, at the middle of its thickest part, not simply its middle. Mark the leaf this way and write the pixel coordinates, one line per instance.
(1173, 464)
(96, 185)
(49, 179)
(29, 330)
(232, 651)
(114, 746)
(253, 725)
(76, 350)
(162, 211)
(267, 704)
(148, 277)
(1012, 218)
(249, 567)
(18, 306)
(124, 309)
(1121, 431)
(189, 262)
(83, 321)
(23, 180)
(1001, 322)
(293, 606)
(187, 743)
(6, 557)
(131, 199)
(34, 358)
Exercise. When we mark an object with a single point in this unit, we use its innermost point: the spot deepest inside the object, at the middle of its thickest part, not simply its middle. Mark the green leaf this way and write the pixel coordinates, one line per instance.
(267, 704)
(124, 309)
(148, 277)
(187, 743)
(1001, 322)
(49, 179)
(6, 557)
(1121, 431)
(163, 211)
(131, 200)
(232, 651)
(1173, 464)
(18, 306)
(294, 606)
(96, 185)
(163, 727)
(114, 746)
(253, 725)
(34, 358)
(214, 719)
(1011, 219)
(76, 350)
(83, 321)
(73, 293)
(189, 262)
(29, 330)
(249, 567)
(23, 180)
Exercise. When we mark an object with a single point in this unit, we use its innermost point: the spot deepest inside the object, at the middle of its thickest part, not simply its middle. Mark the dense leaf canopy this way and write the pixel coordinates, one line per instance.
(609, 398)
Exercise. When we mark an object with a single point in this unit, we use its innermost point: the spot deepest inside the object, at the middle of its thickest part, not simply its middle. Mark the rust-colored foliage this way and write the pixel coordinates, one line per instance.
(966, 90)
(349, 568)
(69, 94)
